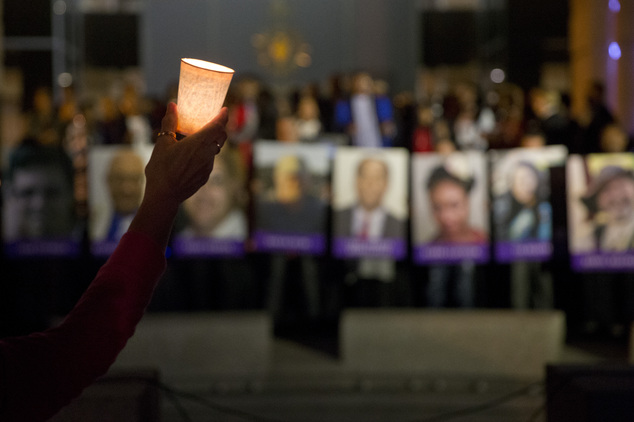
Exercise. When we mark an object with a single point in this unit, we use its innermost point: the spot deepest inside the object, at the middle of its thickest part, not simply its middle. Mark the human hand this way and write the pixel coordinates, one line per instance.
(177, 169)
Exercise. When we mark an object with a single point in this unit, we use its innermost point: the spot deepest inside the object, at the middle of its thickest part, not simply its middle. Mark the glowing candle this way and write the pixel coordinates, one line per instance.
(202, 88)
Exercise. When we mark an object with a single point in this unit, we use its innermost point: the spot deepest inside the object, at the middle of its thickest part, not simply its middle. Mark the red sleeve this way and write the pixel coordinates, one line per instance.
(42, 372)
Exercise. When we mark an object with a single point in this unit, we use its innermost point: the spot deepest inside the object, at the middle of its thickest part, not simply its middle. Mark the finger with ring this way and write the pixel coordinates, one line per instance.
(168, 133)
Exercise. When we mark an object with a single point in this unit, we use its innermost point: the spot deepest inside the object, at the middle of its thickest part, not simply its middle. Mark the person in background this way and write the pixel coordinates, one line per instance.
(42, 372)
(134, 108)
(244, 111)
(42, 123)
(595, 118)
(474, 122)
(307, 121)
(364, 116)
(532, 139)
(423, 139)
(614, 139)
(111, 126)
(551, 118)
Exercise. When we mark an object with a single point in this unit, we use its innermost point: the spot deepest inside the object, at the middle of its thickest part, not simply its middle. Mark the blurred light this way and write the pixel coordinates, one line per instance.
(498, 76)
(614, 50)
(59, 7)
(614, 5)
(65, 79)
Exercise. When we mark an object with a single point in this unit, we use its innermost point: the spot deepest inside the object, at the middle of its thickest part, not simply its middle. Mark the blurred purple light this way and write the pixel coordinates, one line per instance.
(614, 50)
(614, 5)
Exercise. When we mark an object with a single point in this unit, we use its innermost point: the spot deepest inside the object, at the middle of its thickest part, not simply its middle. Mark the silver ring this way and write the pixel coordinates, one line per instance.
(167, 132)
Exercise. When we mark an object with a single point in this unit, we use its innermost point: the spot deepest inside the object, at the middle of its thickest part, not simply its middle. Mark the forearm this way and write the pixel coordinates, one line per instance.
(155, 219)
(44, 371)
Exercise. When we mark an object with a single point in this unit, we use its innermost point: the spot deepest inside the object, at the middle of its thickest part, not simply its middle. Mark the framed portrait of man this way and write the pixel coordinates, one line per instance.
(450, 215)
(600, 190)
(370, 207)
(39, 215)
(116, 181)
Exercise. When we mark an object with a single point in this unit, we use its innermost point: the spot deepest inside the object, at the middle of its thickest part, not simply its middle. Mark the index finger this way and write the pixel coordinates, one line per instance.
(218, 122)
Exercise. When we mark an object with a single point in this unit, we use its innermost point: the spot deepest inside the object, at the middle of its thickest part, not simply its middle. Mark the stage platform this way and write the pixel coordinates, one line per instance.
(251, 372)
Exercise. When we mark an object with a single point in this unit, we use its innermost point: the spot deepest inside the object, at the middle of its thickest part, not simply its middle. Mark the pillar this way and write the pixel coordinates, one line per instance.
(593, 26)
(625, 89)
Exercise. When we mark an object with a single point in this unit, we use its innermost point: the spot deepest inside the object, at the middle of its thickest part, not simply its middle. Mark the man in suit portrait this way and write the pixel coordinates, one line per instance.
(368, 218)
(125, 182)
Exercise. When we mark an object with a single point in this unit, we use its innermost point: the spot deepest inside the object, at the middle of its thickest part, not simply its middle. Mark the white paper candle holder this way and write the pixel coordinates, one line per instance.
(202, 88)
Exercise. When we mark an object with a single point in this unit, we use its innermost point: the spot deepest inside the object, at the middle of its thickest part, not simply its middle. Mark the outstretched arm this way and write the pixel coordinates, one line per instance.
(42, 372)
(176, 170)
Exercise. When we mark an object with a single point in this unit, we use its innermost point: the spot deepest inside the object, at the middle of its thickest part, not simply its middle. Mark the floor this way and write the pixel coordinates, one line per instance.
(307, 385)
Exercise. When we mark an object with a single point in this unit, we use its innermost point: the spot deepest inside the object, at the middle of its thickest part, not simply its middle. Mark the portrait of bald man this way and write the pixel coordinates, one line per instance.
(368, 218)
(117, 181)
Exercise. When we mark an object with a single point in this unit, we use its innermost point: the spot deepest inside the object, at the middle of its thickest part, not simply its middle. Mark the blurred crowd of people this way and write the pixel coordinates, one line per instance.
(350, 109)
(357, 105)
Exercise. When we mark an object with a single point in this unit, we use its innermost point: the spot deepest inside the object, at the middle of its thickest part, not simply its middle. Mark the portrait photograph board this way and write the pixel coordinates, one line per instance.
(213, 221)
(370, 202)
(450, 213)
(290, 193)
(116, 181)
(39, 212)
(521, 202)
(600, 198)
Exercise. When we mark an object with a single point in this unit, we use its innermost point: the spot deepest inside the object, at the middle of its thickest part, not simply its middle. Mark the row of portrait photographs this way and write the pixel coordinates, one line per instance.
(461, 206)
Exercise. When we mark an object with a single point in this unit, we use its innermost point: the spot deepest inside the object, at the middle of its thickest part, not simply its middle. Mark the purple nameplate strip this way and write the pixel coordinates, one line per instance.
(103, 247)
(603, 261)
(449, 253)
(305, 244)
(207, 247)
(523, 251)
(42, 248)
(349, 247)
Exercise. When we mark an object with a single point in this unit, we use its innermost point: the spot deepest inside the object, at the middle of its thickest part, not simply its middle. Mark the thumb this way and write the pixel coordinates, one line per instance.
(170, 120)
